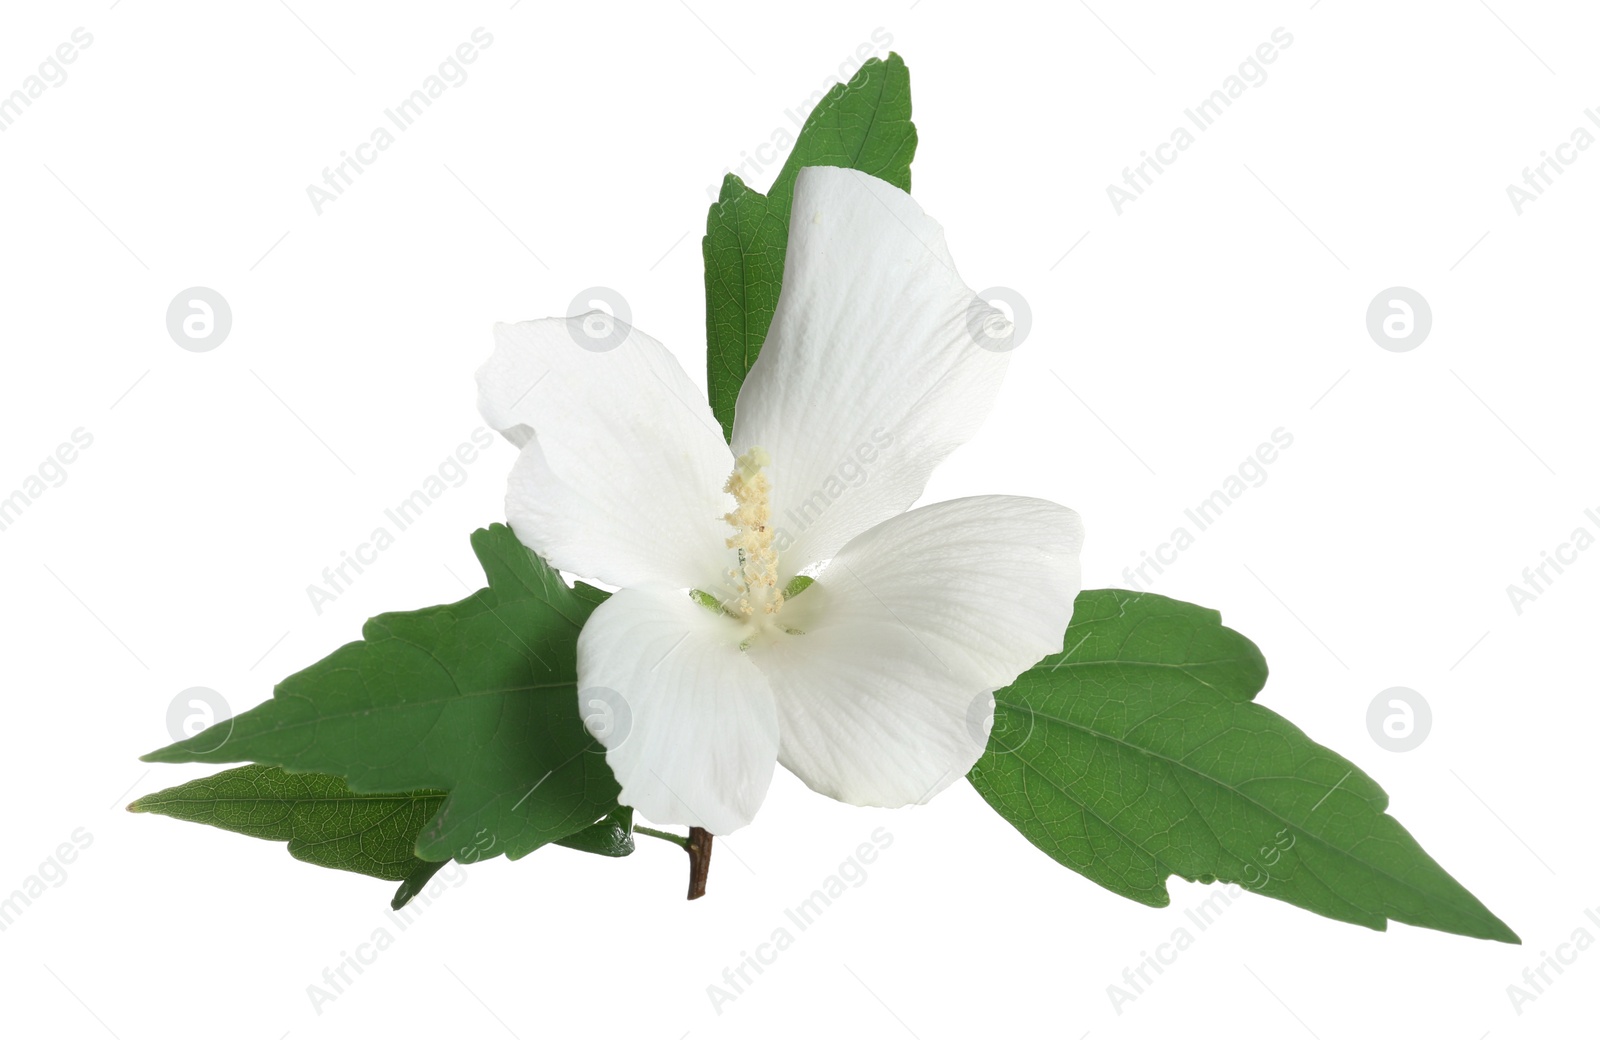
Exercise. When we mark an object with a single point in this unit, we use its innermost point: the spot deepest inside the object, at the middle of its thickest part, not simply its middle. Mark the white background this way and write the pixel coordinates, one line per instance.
(1167, 342)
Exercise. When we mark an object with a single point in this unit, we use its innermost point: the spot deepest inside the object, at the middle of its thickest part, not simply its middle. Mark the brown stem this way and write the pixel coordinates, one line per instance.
(699, 849)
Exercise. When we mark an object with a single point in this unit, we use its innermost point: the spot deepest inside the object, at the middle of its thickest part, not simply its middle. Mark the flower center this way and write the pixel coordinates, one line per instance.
(749, 593)
(756, 595)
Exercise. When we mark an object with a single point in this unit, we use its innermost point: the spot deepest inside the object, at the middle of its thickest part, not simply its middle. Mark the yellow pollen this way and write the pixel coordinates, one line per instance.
(757, 574)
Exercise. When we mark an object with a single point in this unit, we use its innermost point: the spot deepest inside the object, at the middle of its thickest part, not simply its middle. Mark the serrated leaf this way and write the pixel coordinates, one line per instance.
(863, 125)
(327, 824)
(323, 821)
(1137, 753)
(477, 698)
(612, 836)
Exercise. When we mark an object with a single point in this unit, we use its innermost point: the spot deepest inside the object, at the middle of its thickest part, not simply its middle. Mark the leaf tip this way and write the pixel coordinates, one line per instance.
(1501, 932)
(733, 188)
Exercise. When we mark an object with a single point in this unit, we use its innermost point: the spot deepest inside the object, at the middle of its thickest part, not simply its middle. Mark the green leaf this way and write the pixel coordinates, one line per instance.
(328, 824)
(476, 698)
(323, 821)
(1136, 753)
(862, 125)
(612, 836)
(415, 882)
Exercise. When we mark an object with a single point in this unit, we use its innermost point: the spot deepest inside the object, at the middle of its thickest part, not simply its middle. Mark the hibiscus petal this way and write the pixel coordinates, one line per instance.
(622, 465)
(687, 720)
(873, 370)
(884, 698)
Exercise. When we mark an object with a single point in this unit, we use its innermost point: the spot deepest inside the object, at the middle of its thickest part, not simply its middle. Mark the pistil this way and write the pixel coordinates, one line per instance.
(756, 578)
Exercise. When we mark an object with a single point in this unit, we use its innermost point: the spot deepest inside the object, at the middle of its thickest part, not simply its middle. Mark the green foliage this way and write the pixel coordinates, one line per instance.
(328, 824)
(1137, 753)
(323, 821)
(612, 836)
(477, 699)
(862, 125)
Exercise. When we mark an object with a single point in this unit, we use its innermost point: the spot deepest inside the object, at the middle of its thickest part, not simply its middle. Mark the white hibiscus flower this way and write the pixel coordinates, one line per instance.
(864, 683)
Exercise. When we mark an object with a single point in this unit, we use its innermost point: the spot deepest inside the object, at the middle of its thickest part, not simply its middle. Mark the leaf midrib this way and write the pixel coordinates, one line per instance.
(1318, 839)
(146, 805)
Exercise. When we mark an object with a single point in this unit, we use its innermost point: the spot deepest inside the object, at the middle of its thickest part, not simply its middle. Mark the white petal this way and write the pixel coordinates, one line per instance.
(622, 465)
(686, 719)
(884, 700)
(872, 371)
